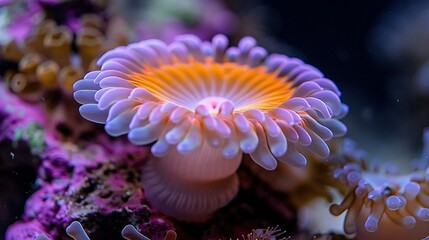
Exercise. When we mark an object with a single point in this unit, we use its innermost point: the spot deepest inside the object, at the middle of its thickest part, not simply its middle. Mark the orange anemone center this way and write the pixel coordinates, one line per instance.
(187, 84)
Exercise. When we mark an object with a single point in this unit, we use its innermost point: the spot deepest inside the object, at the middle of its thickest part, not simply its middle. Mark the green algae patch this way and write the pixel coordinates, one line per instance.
(33, 134)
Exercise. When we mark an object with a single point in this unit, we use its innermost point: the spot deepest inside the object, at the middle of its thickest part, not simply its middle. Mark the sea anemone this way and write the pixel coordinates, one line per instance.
(381, 202)
(204, 104)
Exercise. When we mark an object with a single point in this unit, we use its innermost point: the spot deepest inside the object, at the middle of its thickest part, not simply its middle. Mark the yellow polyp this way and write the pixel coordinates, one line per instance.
(68, 76)
(186, 84)
(47, 73)
(29, 63)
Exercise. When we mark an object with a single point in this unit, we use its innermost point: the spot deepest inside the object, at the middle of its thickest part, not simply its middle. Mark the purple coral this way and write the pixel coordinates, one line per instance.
(203, 104)
(98, 185)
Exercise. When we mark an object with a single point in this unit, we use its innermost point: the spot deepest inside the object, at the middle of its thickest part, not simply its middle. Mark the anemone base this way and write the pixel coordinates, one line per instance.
(191, 201)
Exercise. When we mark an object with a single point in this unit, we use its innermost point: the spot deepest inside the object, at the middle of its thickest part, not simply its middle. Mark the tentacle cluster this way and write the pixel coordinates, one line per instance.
(76, 231)
(376, 193)
(238, 99)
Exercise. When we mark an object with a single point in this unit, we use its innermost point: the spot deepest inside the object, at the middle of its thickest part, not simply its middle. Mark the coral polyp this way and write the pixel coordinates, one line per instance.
(204, 104)
(381, 201)
(51, 59)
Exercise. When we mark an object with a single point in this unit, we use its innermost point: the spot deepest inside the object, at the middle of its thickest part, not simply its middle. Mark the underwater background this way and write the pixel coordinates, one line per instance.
(53, 167)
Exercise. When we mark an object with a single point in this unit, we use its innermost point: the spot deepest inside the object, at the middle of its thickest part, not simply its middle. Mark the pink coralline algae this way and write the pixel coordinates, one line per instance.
(14, 111)
(21, 142)
(97, 185)
(204, 104)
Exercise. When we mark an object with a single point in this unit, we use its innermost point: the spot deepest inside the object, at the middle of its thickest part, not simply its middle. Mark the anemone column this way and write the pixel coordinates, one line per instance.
(191, 187)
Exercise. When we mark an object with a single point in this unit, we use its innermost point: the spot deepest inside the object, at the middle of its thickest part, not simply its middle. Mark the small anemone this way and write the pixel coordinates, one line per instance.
(382, 202)
(202, 105)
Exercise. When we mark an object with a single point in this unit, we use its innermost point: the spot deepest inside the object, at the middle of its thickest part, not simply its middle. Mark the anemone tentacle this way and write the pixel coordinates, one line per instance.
(383, 197)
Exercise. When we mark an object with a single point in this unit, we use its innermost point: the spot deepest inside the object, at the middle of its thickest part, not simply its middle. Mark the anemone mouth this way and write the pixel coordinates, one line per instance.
(211, 83)
(237, 99)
